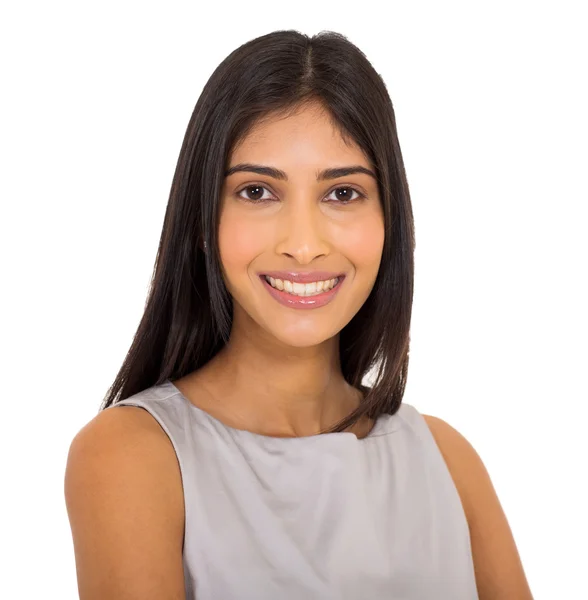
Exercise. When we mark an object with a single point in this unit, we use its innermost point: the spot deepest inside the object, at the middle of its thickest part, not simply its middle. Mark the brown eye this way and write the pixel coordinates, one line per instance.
(254, 193)
(346, 196)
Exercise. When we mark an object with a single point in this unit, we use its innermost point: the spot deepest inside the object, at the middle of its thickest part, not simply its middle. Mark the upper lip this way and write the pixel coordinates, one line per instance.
(302, 277)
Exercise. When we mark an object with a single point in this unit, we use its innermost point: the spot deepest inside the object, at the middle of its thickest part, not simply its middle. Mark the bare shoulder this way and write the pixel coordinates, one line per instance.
(124, 501)
(497, 564)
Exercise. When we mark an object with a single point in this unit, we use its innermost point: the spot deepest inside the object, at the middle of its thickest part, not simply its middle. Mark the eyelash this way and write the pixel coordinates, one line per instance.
(360, 197)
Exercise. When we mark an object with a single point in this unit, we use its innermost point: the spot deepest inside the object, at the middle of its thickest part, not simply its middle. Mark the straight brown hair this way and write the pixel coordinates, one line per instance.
(188, 312)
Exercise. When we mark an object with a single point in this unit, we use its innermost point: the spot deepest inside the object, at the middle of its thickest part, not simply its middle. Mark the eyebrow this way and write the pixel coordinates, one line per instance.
(333, 173)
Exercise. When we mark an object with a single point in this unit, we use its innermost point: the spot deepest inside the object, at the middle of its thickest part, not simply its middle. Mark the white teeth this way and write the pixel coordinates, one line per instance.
(302, 289)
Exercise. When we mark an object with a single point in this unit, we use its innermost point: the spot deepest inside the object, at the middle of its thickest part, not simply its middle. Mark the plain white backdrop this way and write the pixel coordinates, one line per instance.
(491, 106)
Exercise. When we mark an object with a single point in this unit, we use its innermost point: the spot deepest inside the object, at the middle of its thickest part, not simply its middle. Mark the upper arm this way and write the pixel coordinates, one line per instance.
(498, 568)
(125, 506)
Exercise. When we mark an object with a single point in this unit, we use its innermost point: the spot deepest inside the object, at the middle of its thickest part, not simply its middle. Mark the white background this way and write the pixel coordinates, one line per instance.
(491, 106)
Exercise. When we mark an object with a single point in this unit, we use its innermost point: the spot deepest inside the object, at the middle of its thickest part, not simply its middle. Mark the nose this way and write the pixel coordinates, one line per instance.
(301, 231)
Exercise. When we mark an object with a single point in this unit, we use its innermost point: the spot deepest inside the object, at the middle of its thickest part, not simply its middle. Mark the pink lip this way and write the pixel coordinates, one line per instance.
(305, 302)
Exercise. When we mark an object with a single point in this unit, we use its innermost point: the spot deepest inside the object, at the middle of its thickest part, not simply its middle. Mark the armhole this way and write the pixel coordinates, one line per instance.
(461, 492)
(424, 428)
(160, 421)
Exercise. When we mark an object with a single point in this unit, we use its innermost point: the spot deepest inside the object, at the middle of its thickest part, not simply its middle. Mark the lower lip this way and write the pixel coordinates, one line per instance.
(302, 301)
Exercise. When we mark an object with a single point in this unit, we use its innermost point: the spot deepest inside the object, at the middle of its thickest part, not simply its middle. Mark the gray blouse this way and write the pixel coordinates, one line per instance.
(328, 516)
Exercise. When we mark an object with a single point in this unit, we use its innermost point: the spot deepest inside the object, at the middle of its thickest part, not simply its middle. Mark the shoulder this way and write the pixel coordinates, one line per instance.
(123, 437)
(122, 428)
(123, 491)
(498, 568)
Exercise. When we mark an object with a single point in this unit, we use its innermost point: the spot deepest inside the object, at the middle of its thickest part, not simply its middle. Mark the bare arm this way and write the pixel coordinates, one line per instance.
(498, 568)
(125, 505)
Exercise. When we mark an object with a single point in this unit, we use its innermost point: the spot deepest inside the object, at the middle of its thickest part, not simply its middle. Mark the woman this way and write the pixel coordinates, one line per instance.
(249, 460)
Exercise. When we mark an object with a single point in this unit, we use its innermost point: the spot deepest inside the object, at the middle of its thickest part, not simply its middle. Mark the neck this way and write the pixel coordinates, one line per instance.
(257, 383)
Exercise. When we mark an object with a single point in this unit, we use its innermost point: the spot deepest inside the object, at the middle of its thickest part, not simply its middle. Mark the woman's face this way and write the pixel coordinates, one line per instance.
(303, 229)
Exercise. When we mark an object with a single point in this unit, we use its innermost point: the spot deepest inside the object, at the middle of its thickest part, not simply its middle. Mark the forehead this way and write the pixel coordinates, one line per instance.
(306, 136)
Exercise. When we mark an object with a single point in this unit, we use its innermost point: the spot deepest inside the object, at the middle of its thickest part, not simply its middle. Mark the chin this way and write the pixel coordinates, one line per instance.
(302, 337)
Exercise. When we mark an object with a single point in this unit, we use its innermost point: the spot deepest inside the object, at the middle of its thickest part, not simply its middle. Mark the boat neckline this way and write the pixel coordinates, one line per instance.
(383, 425)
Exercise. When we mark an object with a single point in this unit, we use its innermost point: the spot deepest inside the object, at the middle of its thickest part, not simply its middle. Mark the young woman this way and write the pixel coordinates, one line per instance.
(246, 459)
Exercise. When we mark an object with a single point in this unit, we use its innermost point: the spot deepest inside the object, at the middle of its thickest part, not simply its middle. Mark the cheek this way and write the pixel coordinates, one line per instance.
(363, 242)
(240, 241)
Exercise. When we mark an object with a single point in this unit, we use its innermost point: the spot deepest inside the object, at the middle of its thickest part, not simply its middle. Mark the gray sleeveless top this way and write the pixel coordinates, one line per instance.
(328, 516)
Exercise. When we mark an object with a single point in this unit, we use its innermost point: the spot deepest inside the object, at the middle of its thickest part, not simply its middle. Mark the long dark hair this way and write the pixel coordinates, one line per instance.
(188, 312)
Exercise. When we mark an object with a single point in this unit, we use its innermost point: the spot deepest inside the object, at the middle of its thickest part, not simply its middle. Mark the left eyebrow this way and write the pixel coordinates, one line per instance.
(281, 175)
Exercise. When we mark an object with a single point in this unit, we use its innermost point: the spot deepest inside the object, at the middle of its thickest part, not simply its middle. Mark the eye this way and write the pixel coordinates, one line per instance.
(346, 198)
(254, 193)
(255, 196)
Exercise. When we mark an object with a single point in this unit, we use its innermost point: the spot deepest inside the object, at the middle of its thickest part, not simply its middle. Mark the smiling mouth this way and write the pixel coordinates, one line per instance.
(298, 295)
(303, 290)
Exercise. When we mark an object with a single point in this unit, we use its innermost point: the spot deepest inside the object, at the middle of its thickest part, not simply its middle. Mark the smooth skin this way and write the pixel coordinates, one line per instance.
(279, 375)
